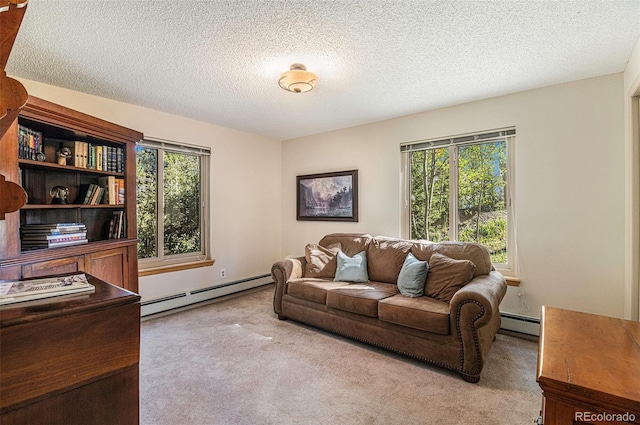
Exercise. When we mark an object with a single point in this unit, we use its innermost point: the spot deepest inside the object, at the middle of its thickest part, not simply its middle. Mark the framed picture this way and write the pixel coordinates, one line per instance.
(328, 196)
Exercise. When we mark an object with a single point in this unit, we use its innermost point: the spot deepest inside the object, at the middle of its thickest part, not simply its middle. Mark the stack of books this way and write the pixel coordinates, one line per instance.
(37, 236)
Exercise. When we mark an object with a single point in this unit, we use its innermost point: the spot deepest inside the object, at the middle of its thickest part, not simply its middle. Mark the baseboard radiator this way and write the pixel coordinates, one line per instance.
(190, 298)
(519, 323)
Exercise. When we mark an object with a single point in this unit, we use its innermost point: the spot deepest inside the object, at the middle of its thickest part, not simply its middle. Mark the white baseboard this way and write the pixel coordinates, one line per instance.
(189, 298)
(519, 323)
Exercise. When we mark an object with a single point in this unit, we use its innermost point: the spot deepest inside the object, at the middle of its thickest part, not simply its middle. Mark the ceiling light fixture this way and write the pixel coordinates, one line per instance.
(298, 79)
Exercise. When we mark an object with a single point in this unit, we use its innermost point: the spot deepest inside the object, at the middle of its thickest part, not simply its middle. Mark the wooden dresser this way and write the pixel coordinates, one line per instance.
(588, 368)
(71, 361)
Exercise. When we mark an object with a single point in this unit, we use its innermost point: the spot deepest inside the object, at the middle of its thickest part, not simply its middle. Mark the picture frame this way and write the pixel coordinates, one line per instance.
(327, 196)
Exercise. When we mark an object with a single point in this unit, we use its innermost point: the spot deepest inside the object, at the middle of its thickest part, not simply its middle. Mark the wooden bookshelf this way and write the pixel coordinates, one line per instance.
(112, 260)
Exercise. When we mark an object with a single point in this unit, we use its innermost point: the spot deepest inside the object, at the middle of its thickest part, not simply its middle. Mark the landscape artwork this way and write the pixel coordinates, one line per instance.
(328, 196)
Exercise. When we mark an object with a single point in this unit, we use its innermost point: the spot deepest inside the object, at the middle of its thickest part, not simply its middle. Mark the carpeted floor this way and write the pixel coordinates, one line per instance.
(233, 362)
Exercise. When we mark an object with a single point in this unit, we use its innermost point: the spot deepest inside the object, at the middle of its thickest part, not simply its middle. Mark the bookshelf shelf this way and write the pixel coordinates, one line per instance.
(70, 206)
(29, 163)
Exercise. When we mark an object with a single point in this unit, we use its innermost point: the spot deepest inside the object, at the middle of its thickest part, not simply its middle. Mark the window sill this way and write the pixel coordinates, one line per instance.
(512, 281)
(175, 267)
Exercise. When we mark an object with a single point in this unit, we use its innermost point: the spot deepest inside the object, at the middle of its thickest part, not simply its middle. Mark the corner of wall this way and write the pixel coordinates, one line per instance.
(632, 185)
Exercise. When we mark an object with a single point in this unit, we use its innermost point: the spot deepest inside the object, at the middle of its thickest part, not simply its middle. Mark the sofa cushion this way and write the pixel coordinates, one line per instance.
(476, 253)
(352, 269)
(311, 289)
(352, 243)
(386, 256)
(423, 313)
(360, 298)
(412, 277)
(446, 276)
(321, 262)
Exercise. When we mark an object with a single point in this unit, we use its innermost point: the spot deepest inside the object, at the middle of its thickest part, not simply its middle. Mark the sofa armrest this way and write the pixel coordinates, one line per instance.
(281, 273)
(475, 315)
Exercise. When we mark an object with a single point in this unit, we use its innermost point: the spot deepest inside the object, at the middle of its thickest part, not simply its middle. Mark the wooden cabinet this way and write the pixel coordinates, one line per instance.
(72, 360)
(54, 266)
(111, 265)
(49, 128)
(588, 368)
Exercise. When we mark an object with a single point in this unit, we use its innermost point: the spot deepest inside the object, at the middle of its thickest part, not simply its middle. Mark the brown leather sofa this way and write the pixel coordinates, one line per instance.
(456, 335)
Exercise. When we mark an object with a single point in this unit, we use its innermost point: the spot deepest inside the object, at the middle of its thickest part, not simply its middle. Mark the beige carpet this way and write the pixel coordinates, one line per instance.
(234, 362)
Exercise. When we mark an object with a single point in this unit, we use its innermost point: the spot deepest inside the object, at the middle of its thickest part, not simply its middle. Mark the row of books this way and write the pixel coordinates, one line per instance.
(29, 143)
(37, 236)
(114, 190)
(95, 157)
(93, 195)
(117, 225)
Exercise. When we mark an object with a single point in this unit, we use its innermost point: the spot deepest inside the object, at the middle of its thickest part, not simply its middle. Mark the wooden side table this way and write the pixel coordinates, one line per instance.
(71, 360)
(588, 368)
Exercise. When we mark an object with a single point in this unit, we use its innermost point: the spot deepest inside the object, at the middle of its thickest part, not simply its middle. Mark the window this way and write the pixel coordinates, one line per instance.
(172, 200)
(460, 189)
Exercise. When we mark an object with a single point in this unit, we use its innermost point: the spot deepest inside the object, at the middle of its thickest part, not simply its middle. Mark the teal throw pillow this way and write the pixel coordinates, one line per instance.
(352, 269)
(413, 277)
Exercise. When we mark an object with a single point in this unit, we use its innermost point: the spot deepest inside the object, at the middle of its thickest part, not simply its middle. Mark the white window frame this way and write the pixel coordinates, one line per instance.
(454, 143)
(162, 260)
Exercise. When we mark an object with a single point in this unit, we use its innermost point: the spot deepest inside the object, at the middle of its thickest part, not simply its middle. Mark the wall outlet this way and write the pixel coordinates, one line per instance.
(223, 273)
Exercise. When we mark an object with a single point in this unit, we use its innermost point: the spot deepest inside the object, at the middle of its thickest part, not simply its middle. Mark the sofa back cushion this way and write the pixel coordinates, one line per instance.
(385, 258)
(386, 255)
(321, 262)
(351, 243)
(446, 276)
(476, 253)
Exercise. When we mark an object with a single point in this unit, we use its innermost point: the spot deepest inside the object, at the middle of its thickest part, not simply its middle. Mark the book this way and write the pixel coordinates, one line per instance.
(101, 192)
(51, 227)
(86, 190)
(94, 196)
(91, 161)
(99, 157)
(117, 225)
(120, 160)
(109, 183)
(85, 154)
(52, 236)
(120, 192)
(105, 157)
(67, 243)
(76, 152)
(66, 237)
(26, 290)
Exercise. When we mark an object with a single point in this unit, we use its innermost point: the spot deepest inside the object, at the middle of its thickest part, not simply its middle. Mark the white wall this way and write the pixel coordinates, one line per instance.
(632, 179)
(570, 182)
(245, 177)
(570, 186)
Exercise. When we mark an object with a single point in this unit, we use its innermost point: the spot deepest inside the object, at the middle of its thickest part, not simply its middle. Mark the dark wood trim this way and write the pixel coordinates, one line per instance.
(69, 251)
(53, 114)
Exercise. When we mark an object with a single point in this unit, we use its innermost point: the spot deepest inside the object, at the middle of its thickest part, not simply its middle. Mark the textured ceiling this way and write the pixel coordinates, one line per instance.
(219, 61)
